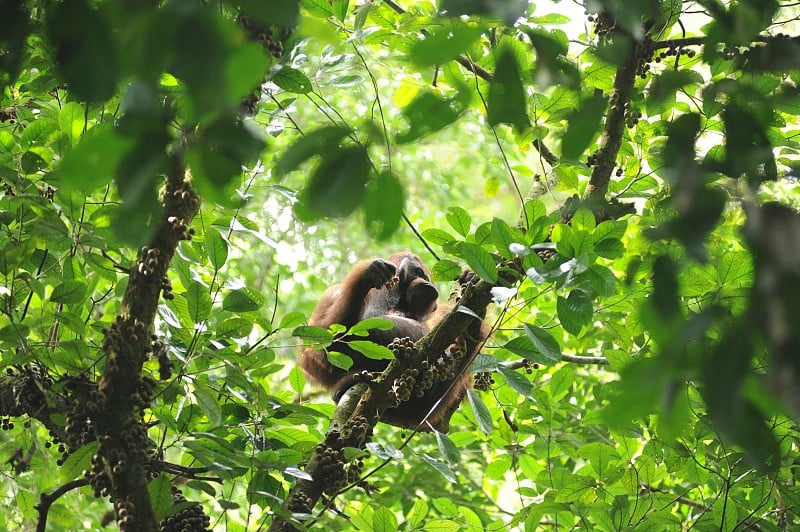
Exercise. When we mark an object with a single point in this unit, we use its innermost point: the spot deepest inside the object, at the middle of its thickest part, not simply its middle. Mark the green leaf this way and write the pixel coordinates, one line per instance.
(442, 525)
(338, 185)
(85, 49)
(428, 113)
(316, 142)
(507, 100)
(448, 449)
(14, 32)
(292, 80)
(77, 462)
(292, 319)
(198, 302)
(371, 350)
(234, 328)
(93, 162)
(243, 300)
(318, 8)
(510, 10)
(543, 343)
(72, 121)
(552, 66)
(668, 82)
(747, 147)
(384, 205)
(575, 311)
(441, 467)
(444, 42)
(601, 456)
(479, 260)
(220, 151)
(340, 360)
(296, 379)
(417, 513)
(216, 248)
(69, 292)
(384, 520)
(437, 236)
(518, 382)
(160, 490)
(459, 219)
(207, 401)
(339, 8)
(583, 127)
(481, 411)
(363, 327)
(583, 220)
(313, 334)
(503, 237)
(244, 69)
(445, 270)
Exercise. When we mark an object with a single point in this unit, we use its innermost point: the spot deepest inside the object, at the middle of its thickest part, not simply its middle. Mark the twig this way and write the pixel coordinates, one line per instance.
(46, 501)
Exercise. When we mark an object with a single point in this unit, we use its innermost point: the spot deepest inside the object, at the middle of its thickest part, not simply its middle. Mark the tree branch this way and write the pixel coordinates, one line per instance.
(46, 501)
(605, 158)
(122, 392)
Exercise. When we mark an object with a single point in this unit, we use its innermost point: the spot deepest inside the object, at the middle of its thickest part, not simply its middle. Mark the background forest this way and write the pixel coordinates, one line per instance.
(182, 180)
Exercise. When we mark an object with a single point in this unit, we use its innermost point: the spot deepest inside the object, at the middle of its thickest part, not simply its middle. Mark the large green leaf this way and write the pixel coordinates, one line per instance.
(338, 184)
(86, 52)
(507, 101)
(383, 205)
(316, 142)
(428, 113)
(441, 43)
(583, 127)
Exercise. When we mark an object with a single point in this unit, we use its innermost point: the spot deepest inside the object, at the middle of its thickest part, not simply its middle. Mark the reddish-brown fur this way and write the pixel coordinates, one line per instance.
(368, 291)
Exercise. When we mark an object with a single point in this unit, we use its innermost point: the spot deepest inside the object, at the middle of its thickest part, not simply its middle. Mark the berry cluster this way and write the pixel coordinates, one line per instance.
(166, 288)
(646, 55)
(186, 196)
(364, 376)
(402, 387)
(632, 117)
(78, 427)
(331, 468)
(28, 391)
(189, 519)
(47, 192)
(271, 38)
(300, 503)
(180, 226)
(158, 351)
(148, 260)
(604, 24)
(403, 348)
(124, 511)
(122, 335)
(529, 366)
(483, 381)
(357, 430)
(673, 51)
(416, 381)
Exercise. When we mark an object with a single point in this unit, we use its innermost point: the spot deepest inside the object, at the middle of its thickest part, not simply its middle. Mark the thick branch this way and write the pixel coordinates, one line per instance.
(122, 391)
(605, 159)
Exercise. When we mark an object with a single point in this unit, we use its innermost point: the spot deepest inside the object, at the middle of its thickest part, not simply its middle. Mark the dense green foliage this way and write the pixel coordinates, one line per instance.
(632, 169)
